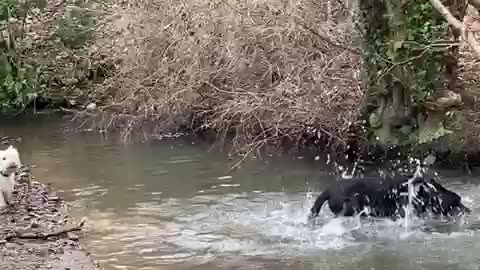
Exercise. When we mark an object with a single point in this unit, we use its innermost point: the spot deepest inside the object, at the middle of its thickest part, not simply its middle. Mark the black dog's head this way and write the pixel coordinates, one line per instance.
(451, 204)
(441, 201)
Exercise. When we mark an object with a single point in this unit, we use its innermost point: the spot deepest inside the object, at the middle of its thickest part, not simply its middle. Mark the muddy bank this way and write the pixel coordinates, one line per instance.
(36, 232)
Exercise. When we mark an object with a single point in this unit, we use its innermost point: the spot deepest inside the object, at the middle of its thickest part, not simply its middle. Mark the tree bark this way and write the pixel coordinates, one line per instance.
(456, 24)
(404, 67)
(457, 9)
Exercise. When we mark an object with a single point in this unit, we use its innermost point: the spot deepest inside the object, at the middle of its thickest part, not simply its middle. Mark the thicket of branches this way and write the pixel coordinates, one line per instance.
(260, 71)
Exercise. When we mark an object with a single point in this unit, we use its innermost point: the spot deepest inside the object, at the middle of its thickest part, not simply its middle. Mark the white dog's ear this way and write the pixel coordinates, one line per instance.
(12, 148)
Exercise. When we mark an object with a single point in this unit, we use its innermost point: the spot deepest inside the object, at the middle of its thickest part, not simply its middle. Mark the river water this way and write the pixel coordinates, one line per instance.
(170, 204)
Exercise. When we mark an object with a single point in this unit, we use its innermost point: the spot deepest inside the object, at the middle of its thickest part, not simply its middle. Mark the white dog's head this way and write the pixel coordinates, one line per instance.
(9, 161)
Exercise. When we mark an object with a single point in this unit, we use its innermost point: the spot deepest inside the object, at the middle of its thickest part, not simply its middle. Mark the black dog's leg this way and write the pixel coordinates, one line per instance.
(357, 205)
(321, 199)
(341, 206)
(349, 208)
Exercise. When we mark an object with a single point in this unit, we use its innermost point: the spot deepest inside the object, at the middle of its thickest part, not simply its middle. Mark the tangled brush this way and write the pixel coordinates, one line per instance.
(259, 70)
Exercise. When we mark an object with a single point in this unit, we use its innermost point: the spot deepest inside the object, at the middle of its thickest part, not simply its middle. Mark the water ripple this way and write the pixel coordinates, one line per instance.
(209, 228)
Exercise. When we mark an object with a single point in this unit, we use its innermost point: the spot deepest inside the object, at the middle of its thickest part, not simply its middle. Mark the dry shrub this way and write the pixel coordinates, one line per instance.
(262, 70)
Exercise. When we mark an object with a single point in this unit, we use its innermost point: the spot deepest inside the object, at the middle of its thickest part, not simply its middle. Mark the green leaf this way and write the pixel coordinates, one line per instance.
(18, 87)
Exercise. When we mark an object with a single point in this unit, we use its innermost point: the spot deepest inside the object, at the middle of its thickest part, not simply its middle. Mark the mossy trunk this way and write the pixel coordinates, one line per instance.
(408, 65)
(458, 9)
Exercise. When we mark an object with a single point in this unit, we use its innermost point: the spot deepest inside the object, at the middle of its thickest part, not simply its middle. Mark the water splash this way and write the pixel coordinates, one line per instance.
(262, 225)
(411, 191)
(419, 172)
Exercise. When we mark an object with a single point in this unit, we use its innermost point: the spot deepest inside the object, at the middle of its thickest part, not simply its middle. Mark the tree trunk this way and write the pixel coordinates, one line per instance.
(407, 60)
(457, 8)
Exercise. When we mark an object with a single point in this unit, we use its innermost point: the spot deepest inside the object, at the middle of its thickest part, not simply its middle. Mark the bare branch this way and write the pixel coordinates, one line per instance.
(298, 65)
(470, 39)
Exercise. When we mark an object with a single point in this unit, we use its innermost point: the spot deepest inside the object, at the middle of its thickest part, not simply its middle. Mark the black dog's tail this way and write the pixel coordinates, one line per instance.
(321, 199)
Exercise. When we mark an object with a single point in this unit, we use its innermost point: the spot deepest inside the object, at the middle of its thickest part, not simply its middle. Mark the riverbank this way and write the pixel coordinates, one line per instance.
(38, 233)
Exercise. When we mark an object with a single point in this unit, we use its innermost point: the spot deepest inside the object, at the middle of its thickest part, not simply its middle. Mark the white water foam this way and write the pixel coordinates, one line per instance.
(270, 225)
(261, 224)
(411, 192)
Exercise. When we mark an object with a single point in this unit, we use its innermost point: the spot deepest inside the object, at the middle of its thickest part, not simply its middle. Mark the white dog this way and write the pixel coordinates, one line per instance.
(9, 166)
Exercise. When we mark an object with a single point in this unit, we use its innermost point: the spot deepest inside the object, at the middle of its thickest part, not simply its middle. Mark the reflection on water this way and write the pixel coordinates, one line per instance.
(171, 205)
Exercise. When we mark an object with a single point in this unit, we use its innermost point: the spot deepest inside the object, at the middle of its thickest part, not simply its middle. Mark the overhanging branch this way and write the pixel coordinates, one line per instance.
(470, 39)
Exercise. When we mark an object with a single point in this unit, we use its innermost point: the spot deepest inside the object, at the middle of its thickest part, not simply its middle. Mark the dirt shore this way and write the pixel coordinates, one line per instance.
(37, 233)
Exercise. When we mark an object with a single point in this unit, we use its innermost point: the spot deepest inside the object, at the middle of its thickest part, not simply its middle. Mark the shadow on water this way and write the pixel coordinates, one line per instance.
(170, 205)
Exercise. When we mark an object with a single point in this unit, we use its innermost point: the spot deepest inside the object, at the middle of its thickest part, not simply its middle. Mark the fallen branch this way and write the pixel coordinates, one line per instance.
(470, 39)
(45, 235)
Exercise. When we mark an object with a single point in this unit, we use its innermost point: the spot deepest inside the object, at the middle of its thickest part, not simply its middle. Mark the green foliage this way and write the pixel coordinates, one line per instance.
(17, 85)
(17, 79)
(427, 29)
(405, 41)
(7, 7)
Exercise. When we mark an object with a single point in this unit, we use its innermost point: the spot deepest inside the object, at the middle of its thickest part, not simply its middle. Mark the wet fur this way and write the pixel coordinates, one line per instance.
(388, 197)
(9, 166)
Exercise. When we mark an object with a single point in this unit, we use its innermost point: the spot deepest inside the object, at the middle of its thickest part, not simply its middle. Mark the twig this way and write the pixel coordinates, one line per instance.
(45, 235)
(327, 40)
(257, 145)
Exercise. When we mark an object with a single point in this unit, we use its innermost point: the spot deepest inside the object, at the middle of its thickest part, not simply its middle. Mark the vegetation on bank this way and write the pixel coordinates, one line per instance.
(36, 39)
(17, 78)
(259, 72)
(420, 100)
(409, 61)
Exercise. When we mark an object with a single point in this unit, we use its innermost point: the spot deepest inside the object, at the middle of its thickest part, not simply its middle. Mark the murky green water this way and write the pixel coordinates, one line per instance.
(170, 205)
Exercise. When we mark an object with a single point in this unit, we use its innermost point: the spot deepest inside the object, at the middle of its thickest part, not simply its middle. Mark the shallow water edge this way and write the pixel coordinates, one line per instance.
(37, 232)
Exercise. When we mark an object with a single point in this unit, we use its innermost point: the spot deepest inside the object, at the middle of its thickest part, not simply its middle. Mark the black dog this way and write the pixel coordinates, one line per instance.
(387, 198)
